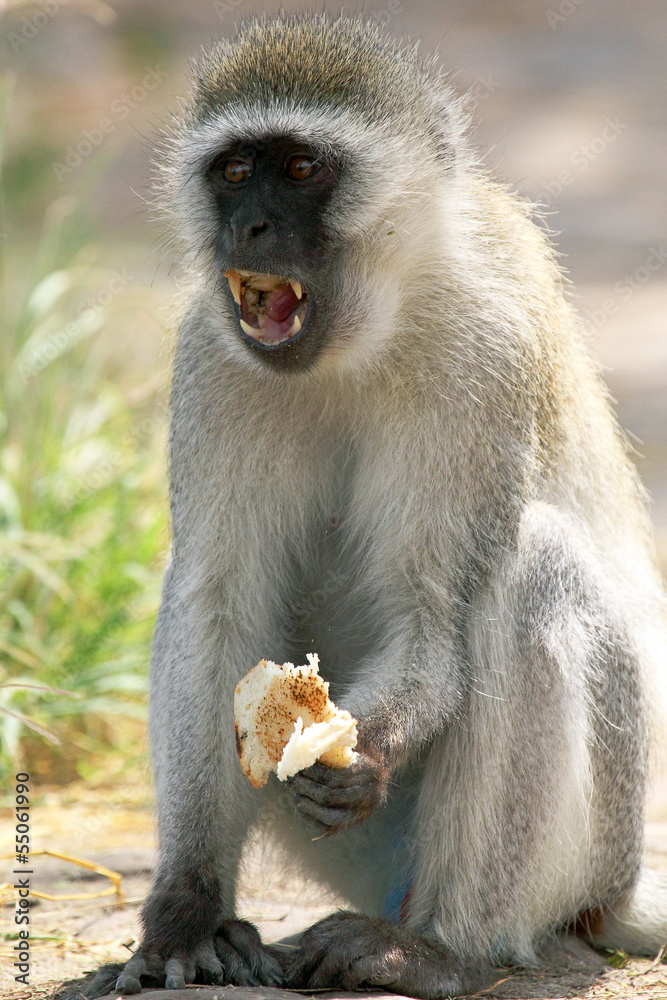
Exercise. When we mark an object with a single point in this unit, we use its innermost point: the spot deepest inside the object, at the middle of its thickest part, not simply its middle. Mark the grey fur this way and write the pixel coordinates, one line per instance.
(486, 599)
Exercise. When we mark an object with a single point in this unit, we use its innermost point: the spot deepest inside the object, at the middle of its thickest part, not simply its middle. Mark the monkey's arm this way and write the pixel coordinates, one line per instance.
(189, 927)
(404, 697)
(221, 612)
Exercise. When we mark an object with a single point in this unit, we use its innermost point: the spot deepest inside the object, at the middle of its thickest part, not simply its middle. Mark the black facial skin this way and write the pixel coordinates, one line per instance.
(271, 198)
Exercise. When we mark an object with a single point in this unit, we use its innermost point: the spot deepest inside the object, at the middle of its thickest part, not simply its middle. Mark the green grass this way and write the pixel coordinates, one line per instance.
(83, 528)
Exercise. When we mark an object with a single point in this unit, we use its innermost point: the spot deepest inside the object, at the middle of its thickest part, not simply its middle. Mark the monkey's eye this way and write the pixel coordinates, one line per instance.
(236, 171)
(300, 167)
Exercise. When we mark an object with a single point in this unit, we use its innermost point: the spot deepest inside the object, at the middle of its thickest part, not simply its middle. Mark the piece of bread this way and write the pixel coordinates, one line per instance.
(284, 722)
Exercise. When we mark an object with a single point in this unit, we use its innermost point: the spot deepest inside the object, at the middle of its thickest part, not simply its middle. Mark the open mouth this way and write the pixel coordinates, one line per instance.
(272, 309)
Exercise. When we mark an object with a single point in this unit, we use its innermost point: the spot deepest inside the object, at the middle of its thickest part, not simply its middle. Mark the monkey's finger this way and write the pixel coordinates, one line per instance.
(279, 958)
(127, 985)
(328, 971)
(104, 981)
(318, 828)
(236, 970)
(303, 966)
(331, 819)
(325, 795)
(273, 972)
(334, 777)
(208, 964)
(231, 962)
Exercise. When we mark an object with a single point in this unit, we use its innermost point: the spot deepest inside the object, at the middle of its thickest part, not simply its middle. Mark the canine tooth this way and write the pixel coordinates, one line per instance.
(234, 280)
(296, 326)
(298, 290)
(252, 331)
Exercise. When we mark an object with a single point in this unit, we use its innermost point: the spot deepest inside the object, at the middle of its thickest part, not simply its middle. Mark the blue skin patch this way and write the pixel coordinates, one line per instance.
(393, 901)
(399, 852)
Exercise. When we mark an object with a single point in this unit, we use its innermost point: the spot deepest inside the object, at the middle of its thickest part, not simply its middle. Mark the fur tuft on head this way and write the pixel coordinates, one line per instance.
(344, 65)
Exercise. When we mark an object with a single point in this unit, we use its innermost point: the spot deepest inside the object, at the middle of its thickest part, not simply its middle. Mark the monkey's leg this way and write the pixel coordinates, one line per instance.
(530, 804)
(205, 805)
(531, 809)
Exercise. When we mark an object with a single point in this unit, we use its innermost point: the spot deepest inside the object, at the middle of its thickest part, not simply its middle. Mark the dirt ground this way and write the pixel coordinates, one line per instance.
(545, 93)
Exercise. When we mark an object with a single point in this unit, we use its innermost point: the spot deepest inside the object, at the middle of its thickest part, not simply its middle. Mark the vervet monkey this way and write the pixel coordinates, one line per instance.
(381, 396)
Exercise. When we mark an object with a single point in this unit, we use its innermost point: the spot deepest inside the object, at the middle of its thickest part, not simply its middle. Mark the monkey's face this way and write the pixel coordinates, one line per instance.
(310, 233)
(299, 230)
(272, 244)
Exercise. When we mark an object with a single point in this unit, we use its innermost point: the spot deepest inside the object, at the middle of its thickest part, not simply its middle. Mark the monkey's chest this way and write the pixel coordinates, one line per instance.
(331, 607)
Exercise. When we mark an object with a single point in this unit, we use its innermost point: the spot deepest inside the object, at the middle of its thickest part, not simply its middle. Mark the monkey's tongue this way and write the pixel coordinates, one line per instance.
(280, 302)
(276, 318)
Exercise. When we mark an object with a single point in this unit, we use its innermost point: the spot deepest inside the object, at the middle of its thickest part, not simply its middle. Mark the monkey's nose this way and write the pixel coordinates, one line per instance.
(246, 230)
(258, 229)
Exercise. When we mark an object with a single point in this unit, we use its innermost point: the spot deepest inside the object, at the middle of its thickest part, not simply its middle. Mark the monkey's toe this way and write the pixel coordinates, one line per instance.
(102, 984)
(245, 960)
(128, 985)
(174, 973)
(142, 966)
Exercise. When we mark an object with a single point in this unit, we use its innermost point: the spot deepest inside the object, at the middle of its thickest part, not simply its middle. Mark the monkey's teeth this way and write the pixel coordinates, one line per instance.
(234, 280)
(263, 282)
(296, 287)
(296, 326)
(252, 331)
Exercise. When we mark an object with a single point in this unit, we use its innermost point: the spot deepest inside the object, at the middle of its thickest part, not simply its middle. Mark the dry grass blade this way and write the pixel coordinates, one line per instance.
(114, 877)
(656, 962)
(488, 989)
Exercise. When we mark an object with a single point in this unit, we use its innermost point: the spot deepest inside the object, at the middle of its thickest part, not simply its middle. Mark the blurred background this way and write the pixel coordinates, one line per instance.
(570, 108)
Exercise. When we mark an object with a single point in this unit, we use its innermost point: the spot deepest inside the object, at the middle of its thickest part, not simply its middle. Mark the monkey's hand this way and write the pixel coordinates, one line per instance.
(235, 955)
(333, 799)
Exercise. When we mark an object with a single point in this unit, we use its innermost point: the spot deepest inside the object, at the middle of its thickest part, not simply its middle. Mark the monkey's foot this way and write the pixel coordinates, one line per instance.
(245, 960)
(349, 951)
(235, 956)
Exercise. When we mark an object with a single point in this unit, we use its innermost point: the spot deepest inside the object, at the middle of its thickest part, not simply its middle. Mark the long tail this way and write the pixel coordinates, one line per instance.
(638, 926)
